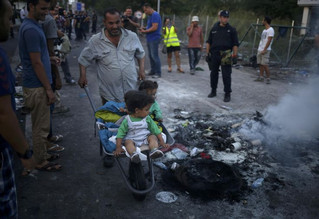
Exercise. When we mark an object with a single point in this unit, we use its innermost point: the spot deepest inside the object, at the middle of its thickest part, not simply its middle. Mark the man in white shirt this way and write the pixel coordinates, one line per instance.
(264, 50)
(113, 51)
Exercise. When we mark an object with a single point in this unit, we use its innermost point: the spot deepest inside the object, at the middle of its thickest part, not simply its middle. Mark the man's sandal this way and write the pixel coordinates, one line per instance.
(50, 167)
(180, 70)
(55, 148)
(53, 157)
(56, 138)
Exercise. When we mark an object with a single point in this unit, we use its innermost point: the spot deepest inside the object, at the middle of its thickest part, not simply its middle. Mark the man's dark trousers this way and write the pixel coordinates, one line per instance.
(215, 62)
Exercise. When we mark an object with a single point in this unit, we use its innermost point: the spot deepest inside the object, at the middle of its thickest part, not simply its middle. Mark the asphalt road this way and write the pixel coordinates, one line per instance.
(86, 189)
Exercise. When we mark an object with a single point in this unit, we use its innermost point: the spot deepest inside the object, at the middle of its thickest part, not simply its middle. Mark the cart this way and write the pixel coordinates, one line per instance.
(137, 180)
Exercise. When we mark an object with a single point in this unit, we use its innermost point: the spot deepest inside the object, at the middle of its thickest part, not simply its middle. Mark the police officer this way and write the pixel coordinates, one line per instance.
(221, 48)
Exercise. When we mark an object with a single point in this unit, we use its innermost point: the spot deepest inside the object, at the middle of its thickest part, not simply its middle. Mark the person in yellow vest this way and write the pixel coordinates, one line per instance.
(172, 43)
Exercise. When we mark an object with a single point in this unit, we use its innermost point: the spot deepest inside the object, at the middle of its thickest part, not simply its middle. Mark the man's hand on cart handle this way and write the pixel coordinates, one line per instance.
(82, 81)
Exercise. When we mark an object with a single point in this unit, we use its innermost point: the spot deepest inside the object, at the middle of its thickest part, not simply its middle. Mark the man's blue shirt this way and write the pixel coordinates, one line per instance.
(7, 83)
(32, 39)
(154, 18)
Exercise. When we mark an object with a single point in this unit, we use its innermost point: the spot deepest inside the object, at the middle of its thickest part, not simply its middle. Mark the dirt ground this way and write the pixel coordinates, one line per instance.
(86, 189)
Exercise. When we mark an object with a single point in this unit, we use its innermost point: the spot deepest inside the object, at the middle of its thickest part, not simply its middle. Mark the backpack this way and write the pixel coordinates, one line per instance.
(65, 46)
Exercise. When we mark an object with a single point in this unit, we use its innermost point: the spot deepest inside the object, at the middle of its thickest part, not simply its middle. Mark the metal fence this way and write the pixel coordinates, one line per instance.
(286, 44)
(289, 47)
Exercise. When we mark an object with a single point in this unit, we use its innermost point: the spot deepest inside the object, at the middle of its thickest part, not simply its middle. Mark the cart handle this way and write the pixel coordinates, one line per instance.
(88, 94)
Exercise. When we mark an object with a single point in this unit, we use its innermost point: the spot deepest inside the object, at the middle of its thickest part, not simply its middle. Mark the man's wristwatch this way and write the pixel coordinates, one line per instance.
(27, 155)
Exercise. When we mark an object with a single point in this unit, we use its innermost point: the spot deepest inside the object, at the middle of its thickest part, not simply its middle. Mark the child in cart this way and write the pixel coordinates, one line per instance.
(150, 87)
(138, 127)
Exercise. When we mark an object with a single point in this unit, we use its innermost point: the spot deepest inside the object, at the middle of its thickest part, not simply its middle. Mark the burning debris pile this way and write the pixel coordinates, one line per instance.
(211, 159)
(208, 179)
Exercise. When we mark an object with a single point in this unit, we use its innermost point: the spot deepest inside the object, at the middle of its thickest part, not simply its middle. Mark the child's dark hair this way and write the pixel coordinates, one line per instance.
(148, 85)
(137, 99)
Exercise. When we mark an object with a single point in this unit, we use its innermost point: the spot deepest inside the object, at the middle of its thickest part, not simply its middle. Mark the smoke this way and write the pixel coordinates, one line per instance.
(295, 118)
(289, 130)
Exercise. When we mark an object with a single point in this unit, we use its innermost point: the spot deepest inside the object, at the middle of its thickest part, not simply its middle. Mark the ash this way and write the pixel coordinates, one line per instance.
(229, 157)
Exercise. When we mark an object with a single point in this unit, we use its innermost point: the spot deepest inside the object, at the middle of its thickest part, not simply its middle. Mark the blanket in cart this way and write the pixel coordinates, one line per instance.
(111, 117)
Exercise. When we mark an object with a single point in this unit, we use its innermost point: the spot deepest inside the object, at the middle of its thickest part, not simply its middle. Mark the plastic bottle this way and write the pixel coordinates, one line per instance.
(235, 146)
(257, 183)
(195, 151)
(179, 154)
(160, 165)
(174, 166)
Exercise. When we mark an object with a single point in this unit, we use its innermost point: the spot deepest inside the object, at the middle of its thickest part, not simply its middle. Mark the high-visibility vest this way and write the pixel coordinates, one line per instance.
(170, 38)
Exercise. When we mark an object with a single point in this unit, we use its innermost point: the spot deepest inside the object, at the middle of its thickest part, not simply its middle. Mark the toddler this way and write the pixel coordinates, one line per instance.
(138, 127)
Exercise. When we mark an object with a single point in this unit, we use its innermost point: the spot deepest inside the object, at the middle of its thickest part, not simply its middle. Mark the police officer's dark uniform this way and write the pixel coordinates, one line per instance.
(77, 27)
(221, 40)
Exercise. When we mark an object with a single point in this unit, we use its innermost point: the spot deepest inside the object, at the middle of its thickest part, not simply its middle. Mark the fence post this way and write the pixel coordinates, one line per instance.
(163, 17)
(142, 21)
(253, 48)
(206, 28)
(295, 51)
(289, 45)
(158, 6)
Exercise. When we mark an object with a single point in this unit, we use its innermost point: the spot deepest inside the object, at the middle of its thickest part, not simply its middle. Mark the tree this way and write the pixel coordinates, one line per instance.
(274, 8)
(282, 9)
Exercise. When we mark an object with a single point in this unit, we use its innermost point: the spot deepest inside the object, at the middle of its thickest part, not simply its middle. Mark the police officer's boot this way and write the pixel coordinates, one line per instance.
(227, 97)
(212, 94)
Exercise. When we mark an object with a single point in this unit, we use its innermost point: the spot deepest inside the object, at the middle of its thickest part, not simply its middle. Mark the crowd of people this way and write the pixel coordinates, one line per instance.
(77, 22)
(221, 45)
(115, 50)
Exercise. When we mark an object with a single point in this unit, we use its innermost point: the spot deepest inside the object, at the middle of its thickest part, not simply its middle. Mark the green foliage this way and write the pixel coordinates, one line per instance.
(275, 8)
(281, 9)
(101, 5)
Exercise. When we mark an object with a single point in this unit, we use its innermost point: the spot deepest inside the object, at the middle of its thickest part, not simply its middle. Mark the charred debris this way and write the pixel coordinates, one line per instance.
(211, 160)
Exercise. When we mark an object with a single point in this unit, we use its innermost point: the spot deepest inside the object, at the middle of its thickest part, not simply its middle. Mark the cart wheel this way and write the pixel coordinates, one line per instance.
(108, 161)
(137, 179)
